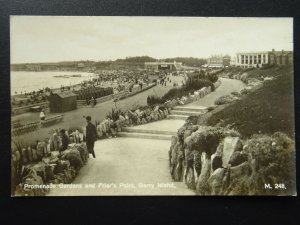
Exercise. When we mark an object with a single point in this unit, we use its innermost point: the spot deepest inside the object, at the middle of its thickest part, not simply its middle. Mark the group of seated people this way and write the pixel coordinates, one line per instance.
(118, 119)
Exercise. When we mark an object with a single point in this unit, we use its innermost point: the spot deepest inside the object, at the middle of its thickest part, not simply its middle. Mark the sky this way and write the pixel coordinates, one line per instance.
(62, 38)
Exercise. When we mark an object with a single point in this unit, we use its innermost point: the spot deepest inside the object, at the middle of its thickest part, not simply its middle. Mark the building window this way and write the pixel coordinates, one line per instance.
(259, 59)
(255, 59)
(264, 58)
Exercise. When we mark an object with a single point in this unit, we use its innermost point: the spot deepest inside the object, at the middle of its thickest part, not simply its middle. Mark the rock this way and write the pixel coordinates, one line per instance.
(202, 182)
(34, 179)
(243, 169)
(49, 172)
(216, 181)
(34, 154)
(61, 166)
(237, 158)
(230, 145)
(39, 168)
(216, 162)
(83, 151)
(74, 157)
(54, 154)
(238, 175)
(178, 172)
(190, 178)
(197, 164)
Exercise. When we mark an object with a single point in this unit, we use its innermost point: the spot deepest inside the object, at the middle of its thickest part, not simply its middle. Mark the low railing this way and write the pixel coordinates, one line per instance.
(52, 120)
(25, 128)
(19, 110)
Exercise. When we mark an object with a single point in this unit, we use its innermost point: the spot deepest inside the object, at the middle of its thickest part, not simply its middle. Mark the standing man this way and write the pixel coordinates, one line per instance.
(64, 140)
(91, 136)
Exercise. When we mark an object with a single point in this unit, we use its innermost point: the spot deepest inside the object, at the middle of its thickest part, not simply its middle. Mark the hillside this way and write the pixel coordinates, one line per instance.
(267, 110)
(137, 62)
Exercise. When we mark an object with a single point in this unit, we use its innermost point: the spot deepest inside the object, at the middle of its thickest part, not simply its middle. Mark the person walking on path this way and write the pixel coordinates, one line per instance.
(91, 136)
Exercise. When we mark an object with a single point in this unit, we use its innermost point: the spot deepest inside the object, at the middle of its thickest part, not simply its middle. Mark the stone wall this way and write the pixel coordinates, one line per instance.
(217, 161)
(35, 171)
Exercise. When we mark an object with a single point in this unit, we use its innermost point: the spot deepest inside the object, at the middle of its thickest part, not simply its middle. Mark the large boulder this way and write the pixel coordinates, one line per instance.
(215, 181)
(230, 145)
(216, 162)
(202, 182)
(178, 170)
(206, 139)
(237, 158)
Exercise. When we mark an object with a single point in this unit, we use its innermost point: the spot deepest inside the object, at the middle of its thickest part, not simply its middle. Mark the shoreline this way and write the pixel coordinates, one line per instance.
(12, 95)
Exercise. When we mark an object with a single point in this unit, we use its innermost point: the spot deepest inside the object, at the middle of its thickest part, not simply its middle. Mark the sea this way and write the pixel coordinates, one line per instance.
(21, 81)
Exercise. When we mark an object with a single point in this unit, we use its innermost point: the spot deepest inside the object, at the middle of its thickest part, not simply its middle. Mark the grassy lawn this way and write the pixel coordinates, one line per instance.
(267, 110)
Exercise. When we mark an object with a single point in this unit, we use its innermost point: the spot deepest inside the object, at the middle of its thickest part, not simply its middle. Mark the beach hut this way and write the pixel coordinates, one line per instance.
(62, 102)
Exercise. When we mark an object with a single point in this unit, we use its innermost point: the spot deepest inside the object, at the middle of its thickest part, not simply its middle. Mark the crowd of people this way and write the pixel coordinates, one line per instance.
(93, 92)
(30, 97)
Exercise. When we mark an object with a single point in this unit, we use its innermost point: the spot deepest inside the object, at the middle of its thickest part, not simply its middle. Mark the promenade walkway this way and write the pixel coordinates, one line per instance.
(137, 163)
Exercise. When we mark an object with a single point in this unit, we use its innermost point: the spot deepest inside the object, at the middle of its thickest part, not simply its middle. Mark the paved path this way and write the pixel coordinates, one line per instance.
(130, 166)
(136, 166)
(227, 86)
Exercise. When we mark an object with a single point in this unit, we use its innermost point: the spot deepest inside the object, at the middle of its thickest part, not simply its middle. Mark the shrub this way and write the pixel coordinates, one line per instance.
(211, 108)
(225, 99)
(197, 84)
(152, 100)
(272, 161)
(245, 91)
(212, 77)
(235, 93)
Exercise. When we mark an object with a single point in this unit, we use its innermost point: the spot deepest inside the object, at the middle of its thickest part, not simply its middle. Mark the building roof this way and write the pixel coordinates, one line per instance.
(281, 52)
(65, 94)
(258, 52)
(162, 63)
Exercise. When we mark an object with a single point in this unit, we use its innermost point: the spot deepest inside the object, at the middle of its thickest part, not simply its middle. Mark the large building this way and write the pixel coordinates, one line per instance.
(156, 66)
(258, 59)
(218, 61)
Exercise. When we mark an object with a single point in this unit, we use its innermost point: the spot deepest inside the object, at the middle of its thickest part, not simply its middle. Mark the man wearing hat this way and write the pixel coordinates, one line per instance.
(91, 136)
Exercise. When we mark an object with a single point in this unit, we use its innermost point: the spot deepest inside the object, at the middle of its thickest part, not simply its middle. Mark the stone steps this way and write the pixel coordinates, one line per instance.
(147, 131)
(191, 109)
(186, 113)
(145, 135)
(177, 117)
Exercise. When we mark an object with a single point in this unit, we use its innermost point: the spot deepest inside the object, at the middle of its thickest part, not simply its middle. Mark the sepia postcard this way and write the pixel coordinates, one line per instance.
(138, 106)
